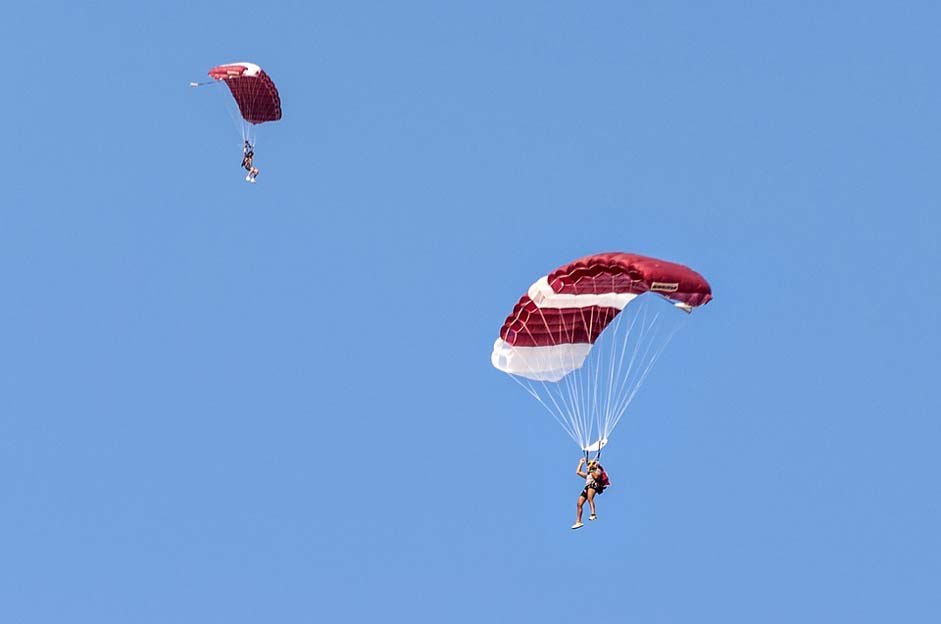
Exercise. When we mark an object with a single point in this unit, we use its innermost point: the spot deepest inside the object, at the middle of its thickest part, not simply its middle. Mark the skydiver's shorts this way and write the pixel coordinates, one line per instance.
(597, 491)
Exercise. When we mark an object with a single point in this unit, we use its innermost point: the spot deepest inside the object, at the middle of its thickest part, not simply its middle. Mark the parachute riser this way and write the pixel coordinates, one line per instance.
(597, 455)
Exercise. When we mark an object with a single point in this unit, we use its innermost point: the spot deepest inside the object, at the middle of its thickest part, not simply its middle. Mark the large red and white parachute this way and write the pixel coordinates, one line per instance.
(549, 342)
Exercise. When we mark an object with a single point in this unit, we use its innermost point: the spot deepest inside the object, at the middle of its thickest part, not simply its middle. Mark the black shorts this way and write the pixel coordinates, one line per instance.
(597, 491)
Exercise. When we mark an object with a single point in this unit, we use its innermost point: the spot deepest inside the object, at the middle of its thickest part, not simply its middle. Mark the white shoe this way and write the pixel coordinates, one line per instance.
(577, 525)
(592, 517)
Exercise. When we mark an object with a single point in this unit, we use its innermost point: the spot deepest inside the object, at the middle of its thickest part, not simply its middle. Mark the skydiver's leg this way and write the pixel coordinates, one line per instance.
(578, 518)
(591, 502)
(581, 503)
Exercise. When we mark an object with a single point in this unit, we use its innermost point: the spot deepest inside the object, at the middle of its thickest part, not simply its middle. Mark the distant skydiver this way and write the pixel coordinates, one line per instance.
(596, 480)
(257, 99)
(248, 155)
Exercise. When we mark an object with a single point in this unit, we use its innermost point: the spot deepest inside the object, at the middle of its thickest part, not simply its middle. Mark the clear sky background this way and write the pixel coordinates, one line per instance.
(274, 403)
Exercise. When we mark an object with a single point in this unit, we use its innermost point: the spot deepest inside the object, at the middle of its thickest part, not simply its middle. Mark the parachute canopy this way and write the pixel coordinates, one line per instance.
(555, 326)
(254, 91)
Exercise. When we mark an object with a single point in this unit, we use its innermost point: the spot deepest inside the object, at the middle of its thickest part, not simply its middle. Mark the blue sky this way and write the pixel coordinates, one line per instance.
(224, 402)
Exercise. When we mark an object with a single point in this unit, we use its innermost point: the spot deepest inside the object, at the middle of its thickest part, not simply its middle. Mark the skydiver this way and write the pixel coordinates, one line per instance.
(248, 154)
(596, 480)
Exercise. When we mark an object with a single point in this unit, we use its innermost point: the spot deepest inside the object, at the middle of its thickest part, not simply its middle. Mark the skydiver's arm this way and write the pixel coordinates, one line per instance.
(578, 471)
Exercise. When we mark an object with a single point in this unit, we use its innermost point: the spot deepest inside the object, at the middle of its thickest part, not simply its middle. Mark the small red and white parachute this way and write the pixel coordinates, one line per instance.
(569, 345)
(254, 91)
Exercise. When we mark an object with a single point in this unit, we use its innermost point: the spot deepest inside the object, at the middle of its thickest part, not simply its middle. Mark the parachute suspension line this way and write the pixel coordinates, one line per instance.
(611, 368)
(655, 343)
(571, 384)
(597, 385)
(650, 365)
(248, 134)
(568, 384)
(530, 388)
(591, 377)
(589, 402)
(578, 401)
(577, 414)
(637, 333)
(557, 414)
(560, 417)
(589, 414)
(617, 373)
(593, 412)
(599, 412)
(591, 381)
(232, 108)
(613, 372)
(581, 381)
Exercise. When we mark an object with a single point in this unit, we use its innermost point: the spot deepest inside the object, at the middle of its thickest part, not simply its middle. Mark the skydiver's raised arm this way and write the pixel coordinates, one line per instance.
(578, 471)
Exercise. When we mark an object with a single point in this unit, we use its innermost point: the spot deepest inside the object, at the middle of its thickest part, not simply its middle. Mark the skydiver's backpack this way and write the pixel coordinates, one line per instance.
(605, 481)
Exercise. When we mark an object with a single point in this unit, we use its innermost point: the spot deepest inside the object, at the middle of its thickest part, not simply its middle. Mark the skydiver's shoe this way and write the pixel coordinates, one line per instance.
(592, 517)
(248, 178)
(577, 525)
(252, 180)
